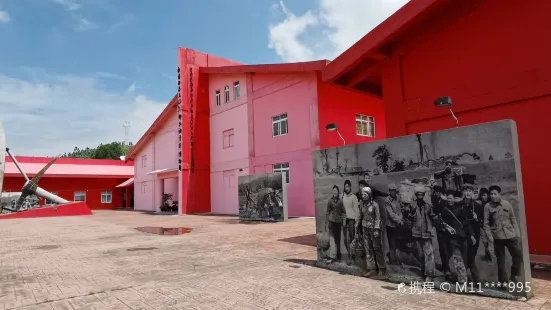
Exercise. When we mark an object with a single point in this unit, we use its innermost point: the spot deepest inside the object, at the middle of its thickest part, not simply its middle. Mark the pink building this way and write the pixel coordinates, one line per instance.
(262, 118)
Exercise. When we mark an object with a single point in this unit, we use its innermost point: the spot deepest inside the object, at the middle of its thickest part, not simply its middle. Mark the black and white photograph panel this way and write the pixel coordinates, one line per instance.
(8, 202)
(262, 197)
(443, 206)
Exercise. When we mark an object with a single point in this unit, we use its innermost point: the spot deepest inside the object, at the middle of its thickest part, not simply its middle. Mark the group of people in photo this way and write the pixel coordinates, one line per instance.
(448, 207)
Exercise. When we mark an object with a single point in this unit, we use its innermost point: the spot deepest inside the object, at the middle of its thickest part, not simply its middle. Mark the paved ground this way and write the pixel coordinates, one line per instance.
(102, 262)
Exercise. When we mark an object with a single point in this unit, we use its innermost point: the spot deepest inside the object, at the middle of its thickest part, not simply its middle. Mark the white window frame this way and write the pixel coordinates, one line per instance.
(108, 195)
(48, 202)
(217, 98)
(236, 90)
(284, 168)
(78, 194)
(366, 124)
(230, 136)
(278, 120)
(227, 177)
(226, 94)
(144, 161)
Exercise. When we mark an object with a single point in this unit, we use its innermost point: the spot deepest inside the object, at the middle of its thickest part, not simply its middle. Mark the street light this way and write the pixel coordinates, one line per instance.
(446, 102)
(334, 127)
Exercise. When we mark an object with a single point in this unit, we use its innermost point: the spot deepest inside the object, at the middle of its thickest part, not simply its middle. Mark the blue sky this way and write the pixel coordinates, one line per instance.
(71, 71)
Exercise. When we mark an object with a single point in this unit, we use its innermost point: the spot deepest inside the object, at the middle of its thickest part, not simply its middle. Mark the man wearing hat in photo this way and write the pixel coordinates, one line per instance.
(501, 227)
(394, 223)
(450, 179)
(474, 210)
(424, 219)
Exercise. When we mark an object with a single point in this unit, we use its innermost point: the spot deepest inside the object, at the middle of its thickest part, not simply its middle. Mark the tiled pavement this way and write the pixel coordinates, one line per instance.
(102, 262)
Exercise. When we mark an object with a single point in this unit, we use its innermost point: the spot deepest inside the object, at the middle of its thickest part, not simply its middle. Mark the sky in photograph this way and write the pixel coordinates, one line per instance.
(72, 71)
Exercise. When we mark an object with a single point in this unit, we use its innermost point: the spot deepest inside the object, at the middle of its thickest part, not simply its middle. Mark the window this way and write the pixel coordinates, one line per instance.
(106, 197)
(144, 161)
(228, 178)
(236, 89)
(365, 125)
(280, 125)
(285, 169)
(217, 96)
(48, 202)
(226, 94)
(144, 185)
(228, 138)
(80, 196)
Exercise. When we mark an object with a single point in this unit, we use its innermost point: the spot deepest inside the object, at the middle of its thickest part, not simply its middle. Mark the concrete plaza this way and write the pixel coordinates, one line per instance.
(103, 262)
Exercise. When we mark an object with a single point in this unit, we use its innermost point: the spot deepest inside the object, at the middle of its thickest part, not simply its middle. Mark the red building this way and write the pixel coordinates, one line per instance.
(95, 181)
(490, 56)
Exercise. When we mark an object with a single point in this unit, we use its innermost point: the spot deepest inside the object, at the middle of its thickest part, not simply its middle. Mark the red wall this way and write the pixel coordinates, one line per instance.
(339, 105)
(494, 62)
(66, 187)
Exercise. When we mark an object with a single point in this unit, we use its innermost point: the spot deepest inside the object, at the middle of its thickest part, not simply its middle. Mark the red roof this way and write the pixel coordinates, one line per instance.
(70, 167)
(173, 105)
(365, 56)
(317, 65)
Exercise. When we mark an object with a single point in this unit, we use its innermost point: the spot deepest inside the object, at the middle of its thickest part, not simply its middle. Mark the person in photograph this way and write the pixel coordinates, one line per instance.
(474, 210)
(483, 198)
(368, 226)
(501, 227)
(450, 179)
(361, 185)
(455, 215)
(424, 219)
(333, 221)
(367, 182)
(439, 201)
(395, 222)
(351, 209)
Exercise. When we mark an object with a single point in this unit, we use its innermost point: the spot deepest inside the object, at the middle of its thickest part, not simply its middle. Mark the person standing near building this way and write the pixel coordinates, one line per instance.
(395, 222)
(333, 220)
(501, 227)
(369, 218)
(351, 209)
(474, 211)
(424, 219)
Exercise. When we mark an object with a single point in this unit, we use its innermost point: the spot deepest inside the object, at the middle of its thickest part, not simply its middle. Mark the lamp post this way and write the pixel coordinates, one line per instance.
(446, 102)
(334, 127)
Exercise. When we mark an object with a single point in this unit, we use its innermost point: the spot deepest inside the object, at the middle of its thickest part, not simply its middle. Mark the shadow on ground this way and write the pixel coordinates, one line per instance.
(309, 240)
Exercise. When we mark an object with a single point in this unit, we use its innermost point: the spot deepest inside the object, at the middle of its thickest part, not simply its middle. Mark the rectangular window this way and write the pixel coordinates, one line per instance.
(228, 138)
(48, 202)
(226, 94)
(106, 197)
(285, 169)
(80, 196)
(280, 125)
(365, 125)
(236, 89)
(144, 185)
(228, 178)
(144, 161)
(218, 99)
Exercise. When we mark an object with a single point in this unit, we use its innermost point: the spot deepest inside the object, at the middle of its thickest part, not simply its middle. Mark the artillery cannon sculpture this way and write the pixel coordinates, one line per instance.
(31, 185)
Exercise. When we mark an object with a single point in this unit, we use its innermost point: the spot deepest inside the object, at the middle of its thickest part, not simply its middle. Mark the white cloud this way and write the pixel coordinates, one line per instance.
(68, 5)
(84, 24)
(4, 17)
(328, 30)
(127, 19)
(53, 114)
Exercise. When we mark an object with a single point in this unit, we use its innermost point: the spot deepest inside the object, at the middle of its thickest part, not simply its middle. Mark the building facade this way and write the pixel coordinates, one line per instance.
(487, 55)
(94, 181)
(252, 119)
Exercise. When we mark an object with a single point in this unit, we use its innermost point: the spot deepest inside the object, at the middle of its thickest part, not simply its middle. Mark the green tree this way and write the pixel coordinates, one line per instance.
(113, 150)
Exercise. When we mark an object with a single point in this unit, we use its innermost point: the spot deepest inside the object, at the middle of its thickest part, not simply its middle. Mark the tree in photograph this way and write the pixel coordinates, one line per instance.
(421, 149)
(398, 165)
(508, 155)
(382, 156)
